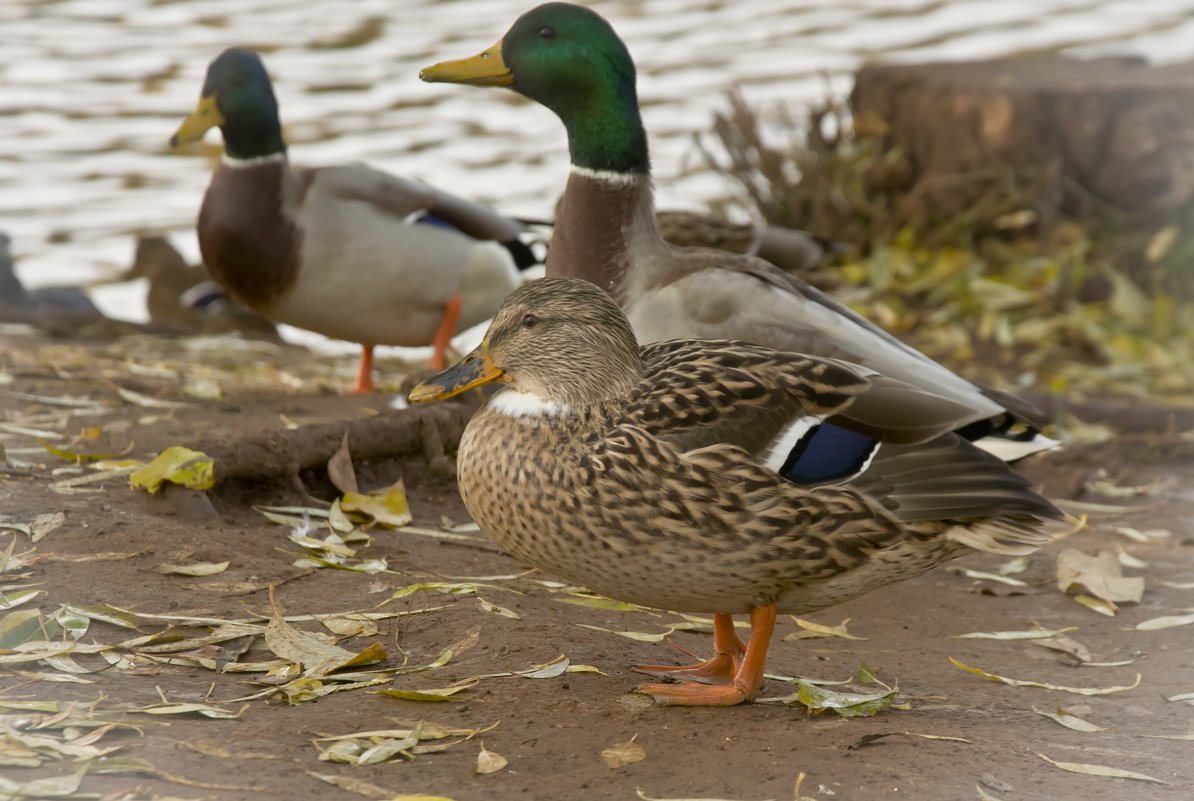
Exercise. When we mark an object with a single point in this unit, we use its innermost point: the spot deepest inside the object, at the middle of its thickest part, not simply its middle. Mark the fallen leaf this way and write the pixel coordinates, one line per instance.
(1046, 686)
(984, 576)
(818, 630)
(196, 569)
(76, 457)
(204, 710)
(436, 694)
(489, 762)
(14, 599)
(137, 399)
(651, 798)
(640, 636)
(1100, 575)
(498, 610)
(597, 602)
(621, 754)
(386, 506)
(178, 465)
(44, 524)
(1101, 770)
(1069, 720)
(1165, 622)
(354, 785)
(848, 705)
(1029, 634)
(340, 468)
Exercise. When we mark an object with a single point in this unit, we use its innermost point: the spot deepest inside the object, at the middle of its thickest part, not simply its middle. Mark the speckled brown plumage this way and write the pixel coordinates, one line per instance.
(642, 473)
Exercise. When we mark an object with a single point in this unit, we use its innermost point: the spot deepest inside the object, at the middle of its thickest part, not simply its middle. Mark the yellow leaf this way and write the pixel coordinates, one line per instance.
(177, 465)
(1043, 685)
(436, 694)
(387, 506)
(640, 636)
(818, 630)
(621, 754)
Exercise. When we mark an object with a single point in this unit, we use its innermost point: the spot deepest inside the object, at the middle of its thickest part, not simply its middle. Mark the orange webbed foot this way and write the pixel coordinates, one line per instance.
(732, 676)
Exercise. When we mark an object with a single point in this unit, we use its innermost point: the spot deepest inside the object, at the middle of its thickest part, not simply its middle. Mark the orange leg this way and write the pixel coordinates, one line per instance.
(443, 337)
(365, 371)
(748, 679)
(728, 651)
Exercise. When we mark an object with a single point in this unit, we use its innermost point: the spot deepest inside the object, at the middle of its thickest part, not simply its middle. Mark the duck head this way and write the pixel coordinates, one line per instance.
(238, 97)
(562, 340)
(569, 59)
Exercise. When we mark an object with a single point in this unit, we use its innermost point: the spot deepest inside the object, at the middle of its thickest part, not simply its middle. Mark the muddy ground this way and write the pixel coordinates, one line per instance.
(552, 731)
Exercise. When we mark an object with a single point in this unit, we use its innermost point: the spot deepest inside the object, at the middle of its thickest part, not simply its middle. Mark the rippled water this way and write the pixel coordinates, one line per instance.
(90, 90)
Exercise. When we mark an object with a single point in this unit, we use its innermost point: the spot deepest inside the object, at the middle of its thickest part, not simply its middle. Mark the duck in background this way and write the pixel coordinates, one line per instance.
(183, 297)
(569, 59)
(714, 476)
(347, 251)
(60, 306)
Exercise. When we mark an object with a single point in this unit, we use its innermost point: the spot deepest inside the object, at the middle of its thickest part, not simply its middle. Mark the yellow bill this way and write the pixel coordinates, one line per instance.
(205, 117)
(484, 69)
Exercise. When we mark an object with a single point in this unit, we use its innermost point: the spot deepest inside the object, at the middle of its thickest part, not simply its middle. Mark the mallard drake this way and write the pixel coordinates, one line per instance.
(569, 59)
(347, 251)
(713, 476)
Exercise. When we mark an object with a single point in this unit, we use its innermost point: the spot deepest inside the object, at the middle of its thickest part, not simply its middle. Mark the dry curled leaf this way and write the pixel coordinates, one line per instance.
(489, 762)
(621, 754)
(1100, 576)
(340, 469)
(1070, 721)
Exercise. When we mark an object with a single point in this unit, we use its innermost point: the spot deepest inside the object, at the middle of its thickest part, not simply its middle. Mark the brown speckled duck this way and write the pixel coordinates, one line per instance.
(348, 251)
(569, 59)
(715, 476)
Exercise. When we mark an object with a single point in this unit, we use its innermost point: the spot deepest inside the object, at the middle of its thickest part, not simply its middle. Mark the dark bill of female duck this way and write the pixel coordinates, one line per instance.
(474, 370)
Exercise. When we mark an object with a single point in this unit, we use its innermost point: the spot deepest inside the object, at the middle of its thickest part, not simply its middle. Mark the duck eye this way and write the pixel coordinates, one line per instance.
(547, 32)
(529, 321)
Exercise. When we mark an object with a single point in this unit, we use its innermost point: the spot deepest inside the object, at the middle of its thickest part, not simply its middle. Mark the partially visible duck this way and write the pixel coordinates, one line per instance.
(182, 297)
(18, 304)
(569, 59)
(714, 476)
(348, 251)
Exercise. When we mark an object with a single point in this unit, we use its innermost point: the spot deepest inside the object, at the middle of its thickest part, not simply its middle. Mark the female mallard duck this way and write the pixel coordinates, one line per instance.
(713, 476)
(344, 250)
(570, 60)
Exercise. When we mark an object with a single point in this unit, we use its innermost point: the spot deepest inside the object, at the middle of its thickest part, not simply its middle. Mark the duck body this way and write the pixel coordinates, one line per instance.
(347, 251)
(570, 60)
(321, 250)
(713, 476)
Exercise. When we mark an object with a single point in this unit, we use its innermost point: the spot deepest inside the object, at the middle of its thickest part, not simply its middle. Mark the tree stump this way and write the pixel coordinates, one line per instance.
(1117, 130)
